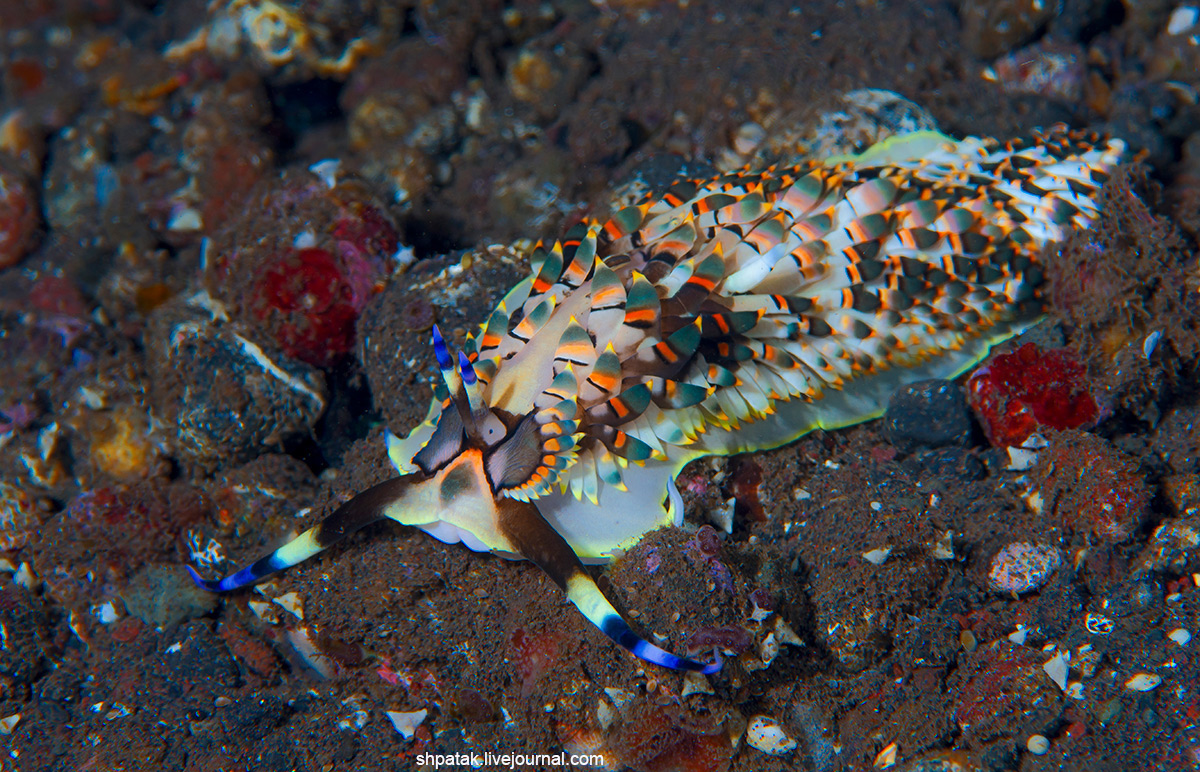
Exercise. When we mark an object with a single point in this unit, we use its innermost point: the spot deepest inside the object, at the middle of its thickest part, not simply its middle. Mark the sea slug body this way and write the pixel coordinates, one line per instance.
(725, 316)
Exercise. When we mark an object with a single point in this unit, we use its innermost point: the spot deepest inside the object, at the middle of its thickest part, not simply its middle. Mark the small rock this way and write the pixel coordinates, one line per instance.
(992, 27)
(1171, 548)
(19, 219)
(930, 413)
(1017, 394)
(1023, 567)
(227, 395)
(26, 626)
(1089, 485)
(162, 596)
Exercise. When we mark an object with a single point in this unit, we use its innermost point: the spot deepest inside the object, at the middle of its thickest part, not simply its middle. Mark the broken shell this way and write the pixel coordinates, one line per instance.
(406, 723)
(785, 634)
(291, 603)
(887, 756)
(18, 517)
(767, 735)
(9, 723)
(1182, 19)
(1057, 669)
(769, 649)
(1143, 682)
(693, 683)
(301, 640)
(1180, 636)
(877, 556)
(944, 548)
(1098, 624)
(1150, 343)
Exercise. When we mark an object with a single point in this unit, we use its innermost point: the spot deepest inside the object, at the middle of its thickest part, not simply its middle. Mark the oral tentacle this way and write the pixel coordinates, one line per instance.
(357, 513)
(538, 542)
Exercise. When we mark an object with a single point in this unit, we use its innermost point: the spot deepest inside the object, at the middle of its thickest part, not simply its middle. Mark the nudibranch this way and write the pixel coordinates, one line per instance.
(725, 316)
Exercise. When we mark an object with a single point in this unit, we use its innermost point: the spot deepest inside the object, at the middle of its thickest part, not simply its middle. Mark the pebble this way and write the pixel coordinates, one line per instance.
(162, 596)
(1038, 744)
(227, 395)
(931, 413)
(1023, 567)
(1180, 636)
(992, 27)
(765, 734)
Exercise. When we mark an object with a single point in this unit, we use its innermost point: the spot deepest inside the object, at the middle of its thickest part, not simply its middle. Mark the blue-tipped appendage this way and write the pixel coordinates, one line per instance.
(615, 628)
(247, 576)
(440, 351)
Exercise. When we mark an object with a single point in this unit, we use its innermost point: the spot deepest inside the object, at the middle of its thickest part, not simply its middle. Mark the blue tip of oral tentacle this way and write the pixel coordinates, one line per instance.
(615, 628)
(440, 350)
(247, 576)
(468, 372)
(204, 584)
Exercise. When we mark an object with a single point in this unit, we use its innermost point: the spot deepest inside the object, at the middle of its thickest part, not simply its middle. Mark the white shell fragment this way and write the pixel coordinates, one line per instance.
(9, 723)
(1150, 343)
(1057, 669)
(406, 723)
(944, 549)
(887, 756)
(1143, 682)
(766, 735)
(877, 556)
(327, 171)
(1037, 744)
(1183, 19)
(291, 603)
(693, 683)
(1180, 636)
(1024, 458)
(1098, 624)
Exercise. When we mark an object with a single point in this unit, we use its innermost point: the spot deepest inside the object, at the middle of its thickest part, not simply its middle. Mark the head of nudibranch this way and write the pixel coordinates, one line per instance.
(469, 473)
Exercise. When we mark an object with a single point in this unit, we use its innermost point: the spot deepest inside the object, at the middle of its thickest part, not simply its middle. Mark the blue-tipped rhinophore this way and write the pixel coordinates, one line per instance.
(440, 350)
(468, 372)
